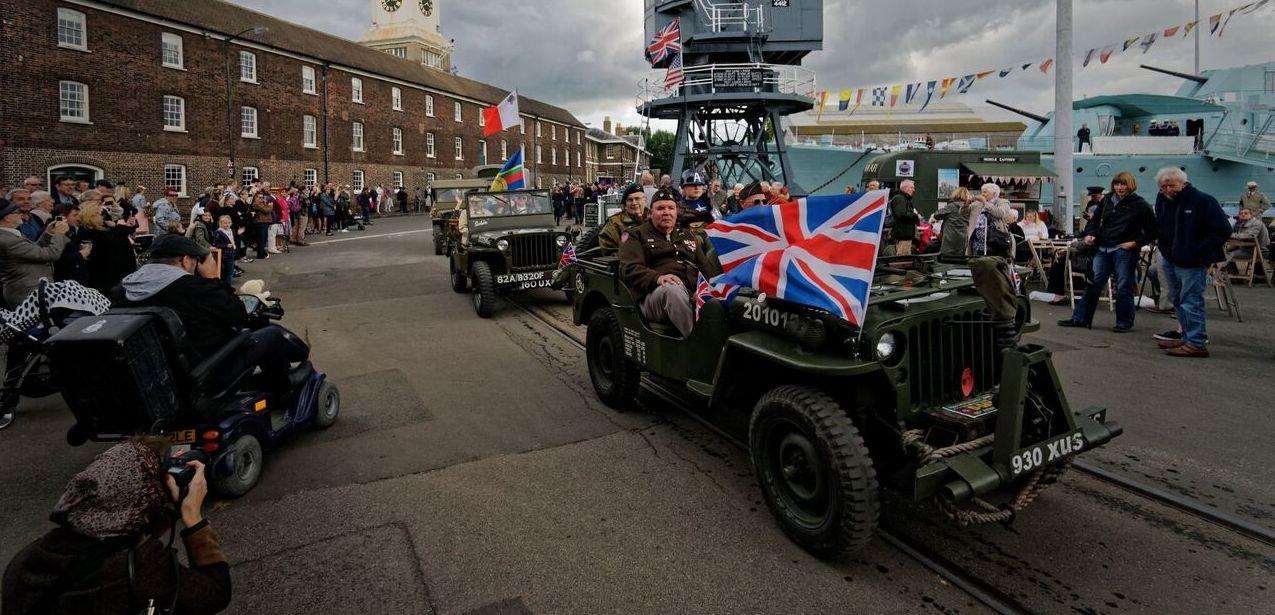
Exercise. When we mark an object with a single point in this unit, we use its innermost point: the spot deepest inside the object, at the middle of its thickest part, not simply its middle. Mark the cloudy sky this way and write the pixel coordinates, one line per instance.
(586, 55)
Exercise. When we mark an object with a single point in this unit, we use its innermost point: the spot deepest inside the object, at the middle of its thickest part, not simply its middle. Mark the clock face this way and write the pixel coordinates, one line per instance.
(427, 7)
(391, 5)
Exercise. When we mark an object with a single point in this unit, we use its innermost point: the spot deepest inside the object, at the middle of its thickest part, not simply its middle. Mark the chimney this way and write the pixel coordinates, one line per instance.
(606, 125)
(618, 129)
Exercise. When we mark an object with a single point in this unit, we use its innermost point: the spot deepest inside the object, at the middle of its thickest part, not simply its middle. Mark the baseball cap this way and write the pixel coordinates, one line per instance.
(169, 245)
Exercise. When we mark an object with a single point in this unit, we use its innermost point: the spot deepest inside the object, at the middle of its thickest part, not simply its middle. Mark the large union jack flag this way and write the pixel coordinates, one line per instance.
(665, 44)
(818, 251)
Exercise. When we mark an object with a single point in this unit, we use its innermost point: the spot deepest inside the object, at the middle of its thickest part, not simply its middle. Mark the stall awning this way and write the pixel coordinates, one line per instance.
(1010, 169)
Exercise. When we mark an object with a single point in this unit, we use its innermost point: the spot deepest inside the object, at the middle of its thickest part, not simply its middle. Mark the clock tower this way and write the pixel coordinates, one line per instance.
(410, 29)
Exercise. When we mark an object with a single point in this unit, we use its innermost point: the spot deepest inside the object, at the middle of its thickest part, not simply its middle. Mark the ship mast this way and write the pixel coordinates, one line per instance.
(1064, 196)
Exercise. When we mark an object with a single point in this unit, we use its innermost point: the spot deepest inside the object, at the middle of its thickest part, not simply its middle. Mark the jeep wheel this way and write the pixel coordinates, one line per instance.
(814, 470)
(459, 283)
(438, 243)
(484, 292)
(615, 379)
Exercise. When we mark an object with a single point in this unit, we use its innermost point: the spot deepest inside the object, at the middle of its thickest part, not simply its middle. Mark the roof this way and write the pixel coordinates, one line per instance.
(873, 128)
(1008, 169)
(225, 18)
(1142, 105)
(602, 136)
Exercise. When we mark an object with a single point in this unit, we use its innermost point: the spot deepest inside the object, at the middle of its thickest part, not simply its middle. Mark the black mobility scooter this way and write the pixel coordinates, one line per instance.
(128, 372)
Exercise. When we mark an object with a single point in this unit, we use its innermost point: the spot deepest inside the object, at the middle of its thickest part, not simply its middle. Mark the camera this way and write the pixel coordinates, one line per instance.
(175, 465)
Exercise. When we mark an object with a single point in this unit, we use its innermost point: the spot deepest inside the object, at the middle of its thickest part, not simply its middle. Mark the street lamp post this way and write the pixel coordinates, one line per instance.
(230, 98)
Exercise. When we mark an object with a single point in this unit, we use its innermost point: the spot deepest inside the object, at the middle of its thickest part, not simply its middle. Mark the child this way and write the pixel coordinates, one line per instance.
(224, 240)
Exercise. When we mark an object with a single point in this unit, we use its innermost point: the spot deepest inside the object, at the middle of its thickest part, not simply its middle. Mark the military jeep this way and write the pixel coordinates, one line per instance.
(446, 198)
(506, 242)
(920, 400)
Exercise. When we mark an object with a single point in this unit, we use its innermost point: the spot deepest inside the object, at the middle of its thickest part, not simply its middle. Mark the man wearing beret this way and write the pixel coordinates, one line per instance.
(634, 212)
(661, 263)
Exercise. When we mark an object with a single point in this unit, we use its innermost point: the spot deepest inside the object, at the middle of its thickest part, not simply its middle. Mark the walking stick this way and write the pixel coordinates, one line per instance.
(1142, 288)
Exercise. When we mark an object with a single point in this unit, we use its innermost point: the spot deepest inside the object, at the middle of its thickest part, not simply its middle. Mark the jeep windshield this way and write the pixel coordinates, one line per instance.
(511, 204)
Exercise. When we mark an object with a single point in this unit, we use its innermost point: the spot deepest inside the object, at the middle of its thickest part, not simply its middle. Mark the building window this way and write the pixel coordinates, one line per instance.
(247, 67)
(356, 90)
(429, 105)
(566, 156)
(553, 130)
(171, 53)
(460, 176)
(553, 156)
(398, 179)
(249, 175)
(397, 136)
(309, 131)
(539, 130)
(311, 178)
(396, 98)
(540, 155)
(482, 152)
(248, 122)
(579, 160)
(73, 102)
(72, 32)
(504, 151)
(522, 125)
(456, 112)
(482, 118)
(429, 177)
(429, 145)
(460, 148)
(578, 139)
(174, 114)
(175, 178)
(356, 136)
(433, 59)
(308, 84)
(398, 52)
(356, 181)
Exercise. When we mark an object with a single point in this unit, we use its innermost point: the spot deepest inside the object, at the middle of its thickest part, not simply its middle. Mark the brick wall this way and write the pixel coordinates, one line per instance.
(126, 84)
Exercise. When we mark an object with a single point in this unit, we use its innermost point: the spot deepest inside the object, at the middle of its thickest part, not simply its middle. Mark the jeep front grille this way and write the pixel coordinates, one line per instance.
(940, 350)
(537, 251)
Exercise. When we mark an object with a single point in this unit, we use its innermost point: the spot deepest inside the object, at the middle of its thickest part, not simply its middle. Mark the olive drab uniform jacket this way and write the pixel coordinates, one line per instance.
(646, 254)
(613, 230)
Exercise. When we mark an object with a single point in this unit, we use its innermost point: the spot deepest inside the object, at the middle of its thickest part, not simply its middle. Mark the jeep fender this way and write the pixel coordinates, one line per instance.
(757, 356)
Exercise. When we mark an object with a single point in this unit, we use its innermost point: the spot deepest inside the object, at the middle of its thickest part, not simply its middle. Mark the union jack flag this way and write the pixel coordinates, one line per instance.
(675, 76)
(568, 257)
(705, 292)
(665, 44)
(817, 251)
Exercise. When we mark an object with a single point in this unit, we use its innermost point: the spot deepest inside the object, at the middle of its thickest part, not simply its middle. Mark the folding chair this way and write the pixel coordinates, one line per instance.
(1071, 288)
(1246, 269)
(1222, 291)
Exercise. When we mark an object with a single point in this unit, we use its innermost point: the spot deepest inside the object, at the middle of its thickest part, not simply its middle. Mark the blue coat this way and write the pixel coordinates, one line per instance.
(1193, 228)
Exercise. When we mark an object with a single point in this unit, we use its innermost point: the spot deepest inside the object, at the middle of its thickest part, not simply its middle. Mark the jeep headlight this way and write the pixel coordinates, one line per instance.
(888, 347)
(502, 245)
(562, 241)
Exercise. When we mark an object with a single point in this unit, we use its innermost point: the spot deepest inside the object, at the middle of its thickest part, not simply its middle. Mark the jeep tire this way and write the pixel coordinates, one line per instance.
(438, 242)
(459, 283)
(615, 378)
(814, 470)
(484, 291)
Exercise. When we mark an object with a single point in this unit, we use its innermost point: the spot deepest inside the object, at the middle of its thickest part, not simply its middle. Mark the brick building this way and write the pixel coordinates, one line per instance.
(137, 91)
(610, 153)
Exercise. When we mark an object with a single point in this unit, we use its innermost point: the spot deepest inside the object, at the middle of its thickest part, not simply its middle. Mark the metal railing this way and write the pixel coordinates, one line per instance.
(730, 16)
(731, 79)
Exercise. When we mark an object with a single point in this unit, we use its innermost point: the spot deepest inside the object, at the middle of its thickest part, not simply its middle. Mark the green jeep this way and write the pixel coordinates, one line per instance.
(920, 400)
(505, 242)
(446, 197)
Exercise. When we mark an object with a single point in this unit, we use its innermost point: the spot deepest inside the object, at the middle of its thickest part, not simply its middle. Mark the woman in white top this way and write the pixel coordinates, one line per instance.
(1033, 228)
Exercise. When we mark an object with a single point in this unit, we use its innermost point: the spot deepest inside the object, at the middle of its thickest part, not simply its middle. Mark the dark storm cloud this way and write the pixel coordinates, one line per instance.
(585, 55)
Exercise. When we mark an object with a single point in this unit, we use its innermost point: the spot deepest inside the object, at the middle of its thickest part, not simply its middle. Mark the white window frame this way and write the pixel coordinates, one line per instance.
(244, 113)
(522, 125)
(482, 151)
(482, 118)
(396, 177)
(456, 112)
(169, 40)
(181, 184)
(566, 156)
(579, 160)
(430, 177)
(429, 145)
(460, 148)
(244, 179)
(247, 67)
(309, 81)
(540, 155)
(396, 98)
(356, 90)
(504, 150)
(429, 105)
(309, 132)
(310, 178)
(553, 156)
(84, 93)
(553, 129)
(396, 138)
(579, 135)
(180, 126)
(72, 18)
(356, 136)
(357, 180)
(539, 130)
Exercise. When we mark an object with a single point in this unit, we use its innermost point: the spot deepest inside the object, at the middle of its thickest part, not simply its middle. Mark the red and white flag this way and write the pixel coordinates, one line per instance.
(501, 117)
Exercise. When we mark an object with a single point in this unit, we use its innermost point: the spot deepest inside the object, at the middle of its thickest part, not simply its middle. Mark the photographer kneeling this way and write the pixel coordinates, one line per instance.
(109, 554)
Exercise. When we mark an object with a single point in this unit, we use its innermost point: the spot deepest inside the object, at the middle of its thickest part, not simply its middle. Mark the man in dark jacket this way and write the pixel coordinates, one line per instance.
(661, 263)
(905, 218)
(1192, 232)
(1122, 223)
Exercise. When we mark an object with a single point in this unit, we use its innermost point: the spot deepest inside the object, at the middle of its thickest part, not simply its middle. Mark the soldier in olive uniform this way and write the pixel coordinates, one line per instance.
(661, 262)
(634, 213)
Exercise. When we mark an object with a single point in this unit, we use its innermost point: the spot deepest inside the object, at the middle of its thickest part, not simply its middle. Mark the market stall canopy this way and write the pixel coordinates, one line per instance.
(1010, 169)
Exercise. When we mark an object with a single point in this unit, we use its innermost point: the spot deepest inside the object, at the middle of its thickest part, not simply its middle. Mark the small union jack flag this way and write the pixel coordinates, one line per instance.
(705, 292)
(675, 76)
(568, 257)
(665, 44)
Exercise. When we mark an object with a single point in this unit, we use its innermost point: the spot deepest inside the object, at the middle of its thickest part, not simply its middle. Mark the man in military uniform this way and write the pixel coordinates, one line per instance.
(634, 213)
(696, 209)
(661, 261)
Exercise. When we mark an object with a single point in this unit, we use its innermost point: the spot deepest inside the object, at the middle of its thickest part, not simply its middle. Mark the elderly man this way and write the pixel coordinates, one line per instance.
(752, 195)
(1193, 231)
(139, 199)
(717, 196)
(990, 247)
(612, 233)
(661, 262)
(1254, 201)
(1248, 227)
(42, 206)
(31, 227)
(904, 217)
(22, 261)
(33, 183)
(167, 219)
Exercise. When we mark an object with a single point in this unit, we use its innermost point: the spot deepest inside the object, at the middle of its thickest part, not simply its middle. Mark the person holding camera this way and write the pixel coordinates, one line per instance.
(112, 550)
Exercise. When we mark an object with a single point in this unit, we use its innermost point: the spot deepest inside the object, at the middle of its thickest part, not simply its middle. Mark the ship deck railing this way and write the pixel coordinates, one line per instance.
(732, 16)
(742, 78)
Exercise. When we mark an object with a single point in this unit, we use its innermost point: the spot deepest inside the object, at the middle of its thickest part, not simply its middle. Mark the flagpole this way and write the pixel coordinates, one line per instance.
(1063, 117)
(1197, 38)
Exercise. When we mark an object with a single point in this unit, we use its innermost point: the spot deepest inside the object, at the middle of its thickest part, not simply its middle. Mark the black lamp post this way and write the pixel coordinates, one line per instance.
(231, 137)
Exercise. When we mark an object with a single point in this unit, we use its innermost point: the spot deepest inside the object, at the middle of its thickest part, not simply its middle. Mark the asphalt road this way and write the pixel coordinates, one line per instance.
(473, 471)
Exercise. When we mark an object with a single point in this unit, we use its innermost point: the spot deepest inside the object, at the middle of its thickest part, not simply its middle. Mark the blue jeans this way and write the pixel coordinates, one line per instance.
(1186, 286)
(1107, 262)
